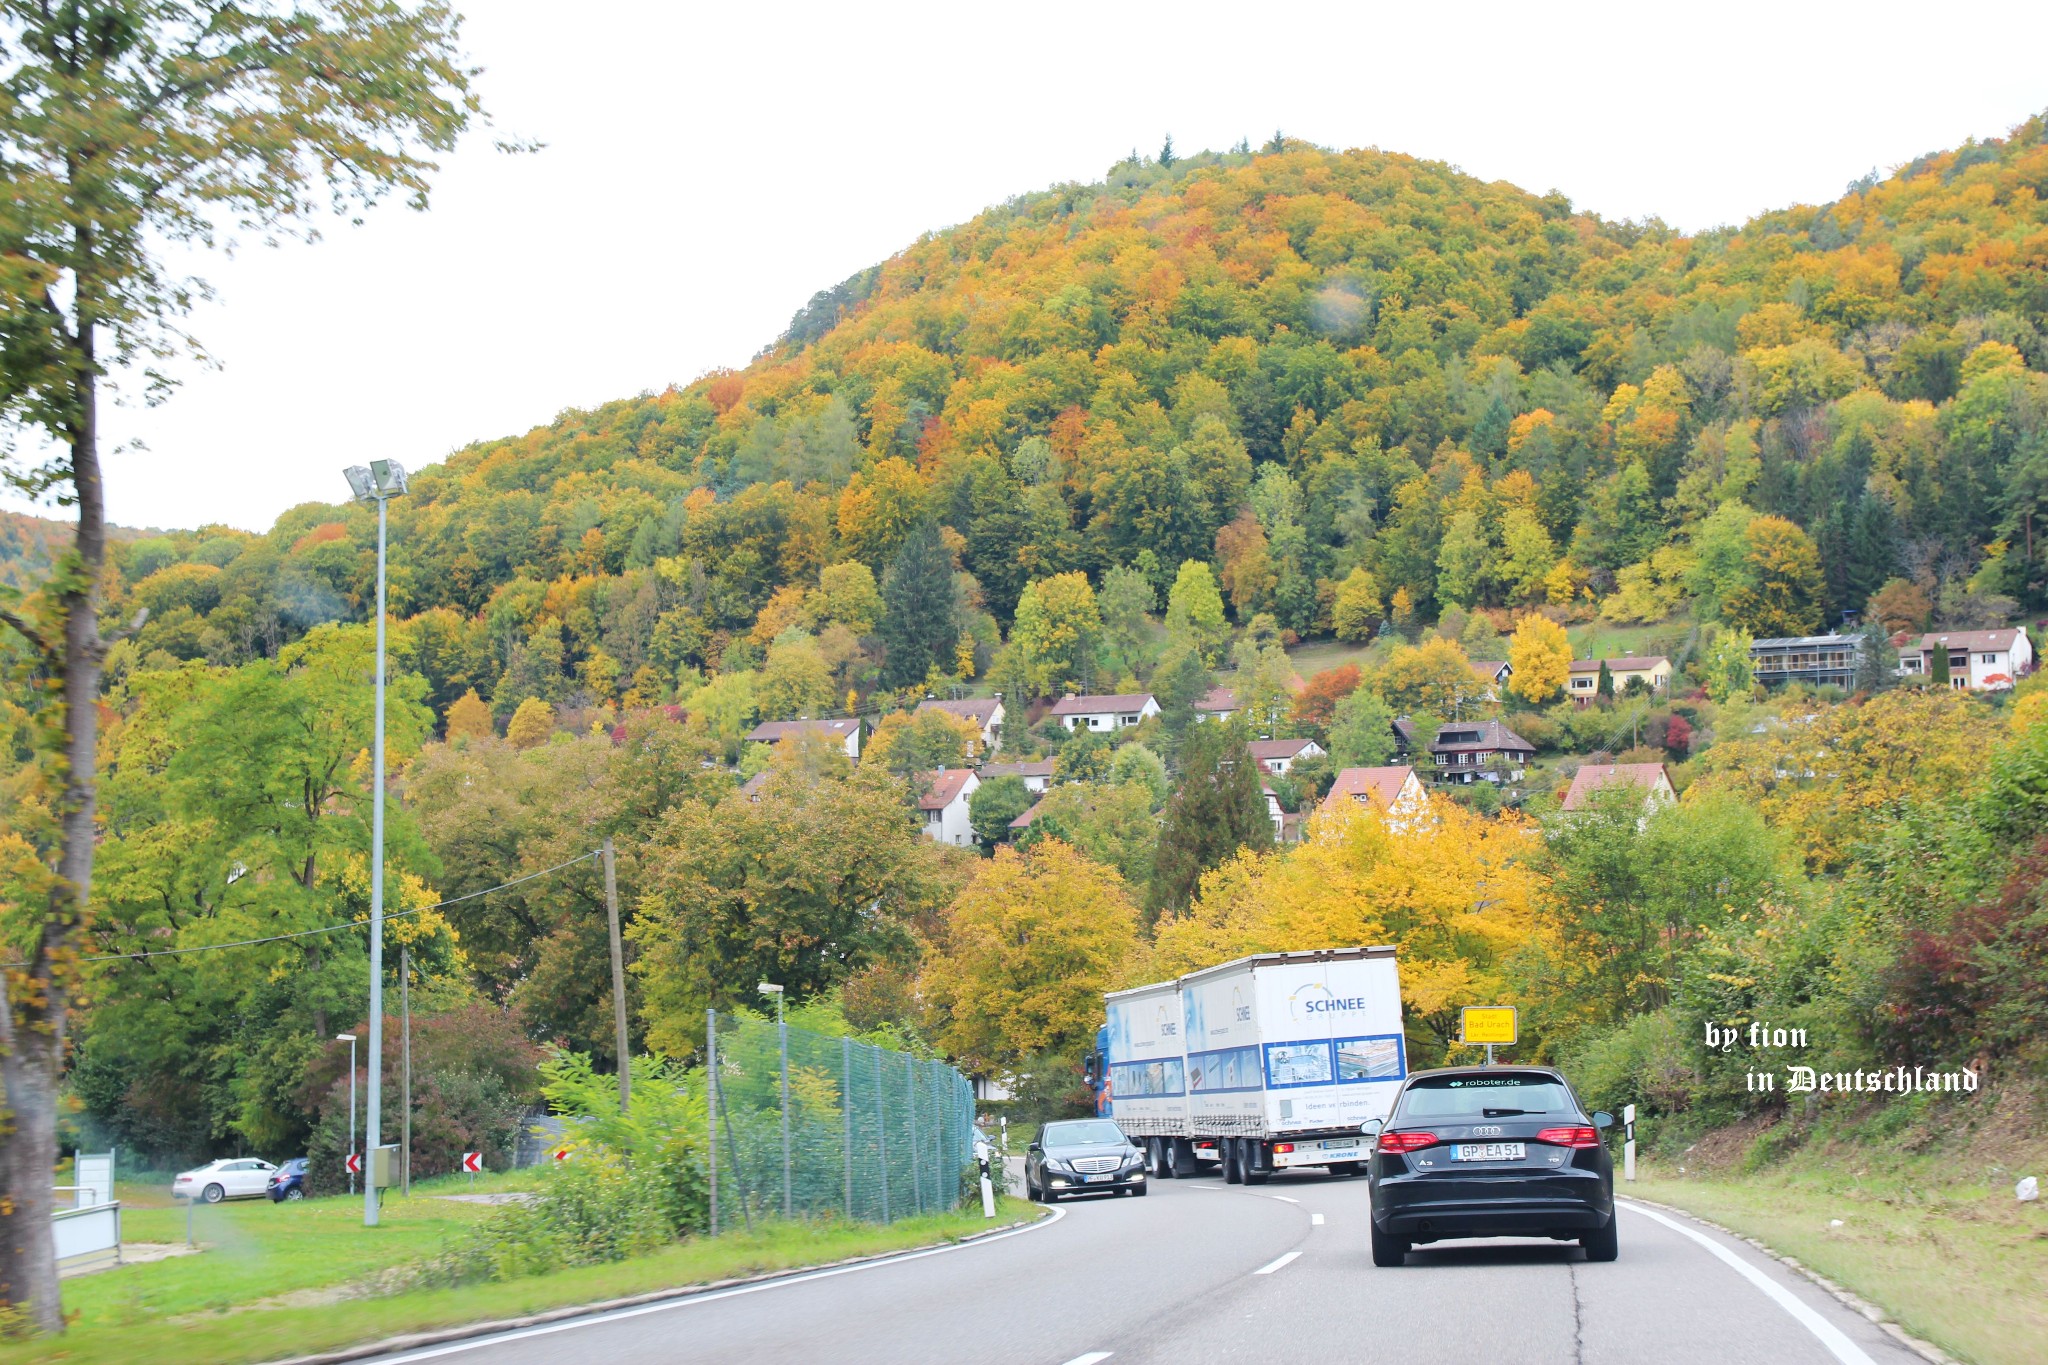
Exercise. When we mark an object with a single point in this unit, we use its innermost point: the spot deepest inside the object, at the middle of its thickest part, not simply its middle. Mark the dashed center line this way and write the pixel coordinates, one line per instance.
(1091, 1358)
(1315, 1219)
(1283, 1199)
(1276, 1265)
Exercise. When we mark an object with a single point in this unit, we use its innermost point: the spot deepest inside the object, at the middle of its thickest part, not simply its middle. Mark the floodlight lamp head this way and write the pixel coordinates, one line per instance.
(768, 988)
(344, 1037)
(360, 484)
(390, 477)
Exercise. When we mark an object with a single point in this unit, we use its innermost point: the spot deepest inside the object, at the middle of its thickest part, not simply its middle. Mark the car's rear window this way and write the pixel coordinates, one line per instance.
(1491, 1097)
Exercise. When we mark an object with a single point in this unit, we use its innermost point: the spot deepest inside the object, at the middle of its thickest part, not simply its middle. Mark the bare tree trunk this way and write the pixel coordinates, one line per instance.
(34, 1013)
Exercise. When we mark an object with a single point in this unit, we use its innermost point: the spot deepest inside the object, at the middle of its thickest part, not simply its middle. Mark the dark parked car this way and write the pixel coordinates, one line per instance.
(1082, 1156)
(288, 1181)
(1490, 1152)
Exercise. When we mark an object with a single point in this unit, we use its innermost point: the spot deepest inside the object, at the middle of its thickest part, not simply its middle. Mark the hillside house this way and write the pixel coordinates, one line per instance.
(1978, 660)
(943, 806)
(1274, 811)
(1651, 670)
(1485, 752)
(1829, 660)
(1395, 791)
(1112, 712)
(1218, 703)
(1652, 778)
(1036, 772)
(845, 733)
(985, 713)
(1493, 674)
(1277, 756)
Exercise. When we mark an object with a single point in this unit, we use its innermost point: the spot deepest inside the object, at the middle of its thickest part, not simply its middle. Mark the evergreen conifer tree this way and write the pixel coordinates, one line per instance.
(1217, 810)
(917, 628)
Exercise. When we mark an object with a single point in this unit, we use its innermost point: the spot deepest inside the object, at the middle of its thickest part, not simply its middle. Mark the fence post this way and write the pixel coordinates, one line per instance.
(916, 1148)
(711, 1105)
(782, 1035)
(881, 1135)
(846, 1117)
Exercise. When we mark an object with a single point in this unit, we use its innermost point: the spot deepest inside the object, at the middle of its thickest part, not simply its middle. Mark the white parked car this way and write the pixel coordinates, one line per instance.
(238, 1177)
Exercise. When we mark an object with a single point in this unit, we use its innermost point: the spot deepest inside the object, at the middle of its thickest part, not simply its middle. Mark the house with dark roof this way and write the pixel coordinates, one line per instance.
(1036, 772)
(1494, 674)
(1276, 756)
(1113, 711)
(984, 713)
(1484, 752)
(845, 733)
(1218, 703)
(1395, 791)
(1815, 659)
(1407, 739)
(1592, 778)
(1978, 660)
(942, 805)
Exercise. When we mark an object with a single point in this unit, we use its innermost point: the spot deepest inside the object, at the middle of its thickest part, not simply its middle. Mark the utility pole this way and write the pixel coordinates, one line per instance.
(405, 1013)
(611, 911)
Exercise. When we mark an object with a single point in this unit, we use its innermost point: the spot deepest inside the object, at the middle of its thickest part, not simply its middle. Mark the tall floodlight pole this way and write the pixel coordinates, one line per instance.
(782, 1038)
(381, 482)
(350, 1039)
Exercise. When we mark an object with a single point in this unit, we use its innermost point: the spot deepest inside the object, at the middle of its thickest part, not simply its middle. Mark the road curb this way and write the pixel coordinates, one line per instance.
(1855, 1302)
(440, 1337)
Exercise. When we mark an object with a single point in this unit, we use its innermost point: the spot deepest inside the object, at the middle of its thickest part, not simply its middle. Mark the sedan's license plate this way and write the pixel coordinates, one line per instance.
(1488, 1151)
(1100, 1179)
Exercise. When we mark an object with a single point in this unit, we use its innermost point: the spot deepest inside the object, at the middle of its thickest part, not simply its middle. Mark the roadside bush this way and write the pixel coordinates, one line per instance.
(594, 1209)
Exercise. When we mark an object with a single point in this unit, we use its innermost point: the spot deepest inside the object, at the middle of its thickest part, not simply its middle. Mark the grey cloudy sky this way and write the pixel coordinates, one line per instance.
(708, 168)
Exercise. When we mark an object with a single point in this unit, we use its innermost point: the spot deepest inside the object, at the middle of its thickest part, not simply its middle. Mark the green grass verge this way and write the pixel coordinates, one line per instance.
(1940, 1244)
(281, 1280)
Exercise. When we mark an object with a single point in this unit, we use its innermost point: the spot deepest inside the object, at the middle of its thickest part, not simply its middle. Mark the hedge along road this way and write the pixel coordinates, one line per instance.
(1200, 1270)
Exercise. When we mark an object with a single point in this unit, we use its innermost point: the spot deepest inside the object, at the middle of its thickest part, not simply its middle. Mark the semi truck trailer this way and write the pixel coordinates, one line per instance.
(1271, 1062)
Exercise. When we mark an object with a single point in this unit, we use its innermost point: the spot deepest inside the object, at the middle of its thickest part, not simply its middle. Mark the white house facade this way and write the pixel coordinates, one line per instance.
(1111, 712)
(1978, 660)
(943, 807)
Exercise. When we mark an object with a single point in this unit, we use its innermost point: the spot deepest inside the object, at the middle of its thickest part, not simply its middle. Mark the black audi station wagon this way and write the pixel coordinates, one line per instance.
(1501, 1151)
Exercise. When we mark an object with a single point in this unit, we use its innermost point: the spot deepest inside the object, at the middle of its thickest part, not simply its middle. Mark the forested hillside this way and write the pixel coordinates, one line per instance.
(1127, 436)
(1295, 365)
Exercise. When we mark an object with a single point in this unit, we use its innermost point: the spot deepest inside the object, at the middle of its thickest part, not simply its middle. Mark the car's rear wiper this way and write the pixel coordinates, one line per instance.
(1507, 1113)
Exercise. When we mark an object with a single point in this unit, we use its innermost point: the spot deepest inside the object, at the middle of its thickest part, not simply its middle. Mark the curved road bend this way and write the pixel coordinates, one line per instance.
(1203, 1271)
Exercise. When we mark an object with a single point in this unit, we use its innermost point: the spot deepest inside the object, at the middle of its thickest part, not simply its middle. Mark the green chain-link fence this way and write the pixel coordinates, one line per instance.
(805, 1125)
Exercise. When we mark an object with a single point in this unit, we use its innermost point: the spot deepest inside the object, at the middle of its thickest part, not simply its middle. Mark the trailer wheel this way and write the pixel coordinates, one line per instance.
(1159, 1158)
(1233, 1161)
(1258, 1163)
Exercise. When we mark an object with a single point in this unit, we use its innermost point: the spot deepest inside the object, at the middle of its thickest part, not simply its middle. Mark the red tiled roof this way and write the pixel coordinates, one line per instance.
(1217, 698)
(769, 731)
(1369, 784)
(1264, 749)
(980, 710)
(1095, 706)
(1595, 776)
(1986, 640)
(1627, 663)
(1023, 821)
(1489, 669)
(945, 788)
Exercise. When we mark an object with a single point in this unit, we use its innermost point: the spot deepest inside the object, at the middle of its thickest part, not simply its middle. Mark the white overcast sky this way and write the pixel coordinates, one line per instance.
(709, 167)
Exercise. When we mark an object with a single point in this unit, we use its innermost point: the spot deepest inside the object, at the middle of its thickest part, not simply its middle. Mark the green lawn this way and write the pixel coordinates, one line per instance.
(1605, 640)
(278, 1280)
(1936, 1238)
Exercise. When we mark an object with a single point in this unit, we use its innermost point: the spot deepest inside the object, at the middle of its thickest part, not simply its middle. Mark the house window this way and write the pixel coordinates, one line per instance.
(1128, 719)
(1987, 658)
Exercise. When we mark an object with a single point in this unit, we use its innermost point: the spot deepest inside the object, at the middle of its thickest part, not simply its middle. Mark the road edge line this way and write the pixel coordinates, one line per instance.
(1849, 1299)
(417, 1341)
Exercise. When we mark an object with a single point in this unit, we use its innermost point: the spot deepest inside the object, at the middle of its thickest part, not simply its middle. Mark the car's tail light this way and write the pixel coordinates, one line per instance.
(1283, 1147)
(1570, 1137)
(1406, 1142)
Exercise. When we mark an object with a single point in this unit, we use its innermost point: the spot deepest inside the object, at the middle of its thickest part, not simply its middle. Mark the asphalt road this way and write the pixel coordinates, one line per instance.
(1201, 1271)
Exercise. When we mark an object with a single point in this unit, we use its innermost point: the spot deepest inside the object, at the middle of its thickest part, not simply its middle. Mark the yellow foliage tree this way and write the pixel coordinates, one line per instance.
(1454, 892)
(531, 724)
(908, 742)
(1357, 609)
(1025, 953)
(1540, 653)
(469, 718)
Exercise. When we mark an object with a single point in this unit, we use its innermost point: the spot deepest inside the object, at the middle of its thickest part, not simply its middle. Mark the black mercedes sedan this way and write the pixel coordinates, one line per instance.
(1082, 1156)
(1501, 1151)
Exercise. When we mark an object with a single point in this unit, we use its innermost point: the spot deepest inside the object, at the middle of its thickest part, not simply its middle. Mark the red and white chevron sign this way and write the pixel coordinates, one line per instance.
(561, 1153)
(355, 1163)
(472, 1162)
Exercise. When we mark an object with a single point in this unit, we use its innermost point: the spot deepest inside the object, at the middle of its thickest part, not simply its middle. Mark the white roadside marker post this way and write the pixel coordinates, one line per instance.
(988, 1191)
(1628, 1145)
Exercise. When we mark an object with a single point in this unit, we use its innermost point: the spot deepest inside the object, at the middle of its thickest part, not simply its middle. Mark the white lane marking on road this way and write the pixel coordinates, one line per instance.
(1269, 1269)
(1205, 1187)
(1091, 1358)
(668, 1305)
(1315, 1220)
(1831, 1336)
(1283, 1199)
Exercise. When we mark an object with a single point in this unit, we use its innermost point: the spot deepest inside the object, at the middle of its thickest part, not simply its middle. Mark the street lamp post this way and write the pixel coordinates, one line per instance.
(782, 1040)
(381, 482)
(350, 1039)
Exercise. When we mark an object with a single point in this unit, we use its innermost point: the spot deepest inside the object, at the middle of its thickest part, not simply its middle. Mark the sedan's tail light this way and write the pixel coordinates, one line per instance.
(1406, 1142)
(1570, 1137)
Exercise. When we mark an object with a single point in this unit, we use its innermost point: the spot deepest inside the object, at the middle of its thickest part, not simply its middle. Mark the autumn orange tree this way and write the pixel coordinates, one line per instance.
(126, 127)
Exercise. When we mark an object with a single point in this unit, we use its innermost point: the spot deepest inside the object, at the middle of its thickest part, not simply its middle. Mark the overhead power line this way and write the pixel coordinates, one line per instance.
(332, 928)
